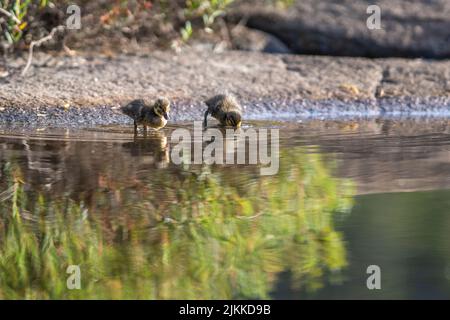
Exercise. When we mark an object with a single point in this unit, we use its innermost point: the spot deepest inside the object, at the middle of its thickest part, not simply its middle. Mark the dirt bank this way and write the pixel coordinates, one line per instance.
(88, 90)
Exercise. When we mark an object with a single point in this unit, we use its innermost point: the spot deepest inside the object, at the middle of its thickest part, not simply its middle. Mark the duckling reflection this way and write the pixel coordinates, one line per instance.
(150, 150)
(222, 145)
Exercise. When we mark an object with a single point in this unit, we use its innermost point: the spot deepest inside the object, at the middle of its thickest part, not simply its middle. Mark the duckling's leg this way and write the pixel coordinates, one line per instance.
(205, 120)
(135, 128)
(145, 129)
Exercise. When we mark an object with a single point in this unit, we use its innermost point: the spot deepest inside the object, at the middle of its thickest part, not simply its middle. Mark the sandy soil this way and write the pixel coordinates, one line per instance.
(89, 90)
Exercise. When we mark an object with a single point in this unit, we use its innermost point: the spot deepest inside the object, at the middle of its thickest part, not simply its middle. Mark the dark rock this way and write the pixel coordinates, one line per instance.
(247, 39)
(338, 27)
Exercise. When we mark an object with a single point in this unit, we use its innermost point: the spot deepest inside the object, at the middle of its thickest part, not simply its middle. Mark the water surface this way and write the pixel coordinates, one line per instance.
(347, 195)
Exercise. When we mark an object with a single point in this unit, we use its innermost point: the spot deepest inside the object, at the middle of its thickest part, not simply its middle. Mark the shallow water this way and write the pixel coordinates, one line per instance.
(347, 195)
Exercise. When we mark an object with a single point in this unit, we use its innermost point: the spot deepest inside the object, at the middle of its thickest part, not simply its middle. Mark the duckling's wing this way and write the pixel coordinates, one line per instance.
(213, 101)
(133, 109)
(230, 104)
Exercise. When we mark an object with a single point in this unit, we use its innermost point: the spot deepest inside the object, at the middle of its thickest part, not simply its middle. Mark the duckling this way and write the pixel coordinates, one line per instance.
(225, 109)
(154, 116)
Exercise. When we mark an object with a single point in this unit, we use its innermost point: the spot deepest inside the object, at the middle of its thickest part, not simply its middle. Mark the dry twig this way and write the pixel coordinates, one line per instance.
(38, 43)
(10, 15)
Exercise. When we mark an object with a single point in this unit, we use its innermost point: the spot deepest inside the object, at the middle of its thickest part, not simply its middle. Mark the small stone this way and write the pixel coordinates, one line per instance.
(350, 88)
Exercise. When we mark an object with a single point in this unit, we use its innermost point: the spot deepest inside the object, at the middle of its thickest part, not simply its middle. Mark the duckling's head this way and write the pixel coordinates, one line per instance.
(232, 119)
(162, 107)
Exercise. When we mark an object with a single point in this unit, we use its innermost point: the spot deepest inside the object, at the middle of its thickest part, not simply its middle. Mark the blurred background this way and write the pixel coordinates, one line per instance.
(419, 28)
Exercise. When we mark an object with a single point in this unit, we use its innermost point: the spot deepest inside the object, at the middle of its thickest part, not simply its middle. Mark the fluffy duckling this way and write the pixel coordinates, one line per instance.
(154, 116)
(225, 109)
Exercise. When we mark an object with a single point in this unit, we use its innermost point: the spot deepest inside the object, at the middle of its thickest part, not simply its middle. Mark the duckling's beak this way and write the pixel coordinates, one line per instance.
(166, 116)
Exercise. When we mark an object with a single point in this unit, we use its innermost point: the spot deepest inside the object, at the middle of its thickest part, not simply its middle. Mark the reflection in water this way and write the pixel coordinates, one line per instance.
(141, 227)
(153, 150)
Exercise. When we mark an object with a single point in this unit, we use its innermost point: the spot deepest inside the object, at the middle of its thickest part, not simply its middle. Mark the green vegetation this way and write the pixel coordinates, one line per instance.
(209, 10)
(156, 21)
(283, 3)
(28, 14)
(212, 237)
(187, 31)
(17, 22)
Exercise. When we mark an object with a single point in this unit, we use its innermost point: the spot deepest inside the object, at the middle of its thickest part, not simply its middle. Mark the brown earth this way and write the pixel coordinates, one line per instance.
(270, 86)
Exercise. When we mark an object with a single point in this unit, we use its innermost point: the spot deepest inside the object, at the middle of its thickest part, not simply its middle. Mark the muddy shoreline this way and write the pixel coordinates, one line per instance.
(288, 112)
(85, 91)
